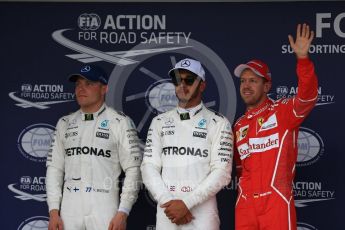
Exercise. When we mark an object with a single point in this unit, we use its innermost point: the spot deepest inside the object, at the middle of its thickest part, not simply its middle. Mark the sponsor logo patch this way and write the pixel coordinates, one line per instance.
(269, 124)
(191, 151)
(263, 144)
(102, 135)
(257, 145)
(260, 121)
(87, 151)
(71, 134)
(242, 133)
(199, 134)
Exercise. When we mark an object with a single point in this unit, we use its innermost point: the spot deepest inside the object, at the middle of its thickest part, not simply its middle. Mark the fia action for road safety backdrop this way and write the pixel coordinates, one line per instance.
(137, 43)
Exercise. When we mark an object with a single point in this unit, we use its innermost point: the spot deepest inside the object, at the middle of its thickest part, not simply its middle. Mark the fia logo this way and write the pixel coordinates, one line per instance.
(26, 88)
(89, 21)
(282, 90)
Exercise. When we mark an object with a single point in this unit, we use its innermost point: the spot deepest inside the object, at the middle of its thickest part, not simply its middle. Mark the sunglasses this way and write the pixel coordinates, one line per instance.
(189, 80)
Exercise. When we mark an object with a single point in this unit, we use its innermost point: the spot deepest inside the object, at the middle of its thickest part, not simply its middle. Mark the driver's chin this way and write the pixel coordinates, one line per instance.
(183, 98)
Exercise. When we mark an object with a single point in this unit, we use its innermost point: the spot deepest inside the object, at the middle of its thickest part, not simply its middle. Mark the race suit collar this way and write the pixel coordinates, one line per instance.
(253, 112)
(191, 111)
(92, 116)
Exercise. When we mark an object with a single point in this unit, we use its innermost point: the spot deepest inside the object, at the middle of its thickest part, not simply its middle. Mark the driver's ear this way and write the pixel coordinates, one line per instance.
(106, 88)
(267, 86)
(202, 85)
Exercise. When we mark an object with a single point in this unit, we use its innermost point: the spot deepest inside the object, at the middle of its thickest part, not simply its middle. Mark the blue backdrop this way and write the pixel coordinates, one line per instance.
(137, 43)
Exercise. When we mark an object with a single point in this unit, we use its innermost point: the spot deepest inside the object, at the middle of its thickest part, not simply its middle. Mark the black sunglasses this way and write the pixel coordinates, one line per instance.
(189, 80)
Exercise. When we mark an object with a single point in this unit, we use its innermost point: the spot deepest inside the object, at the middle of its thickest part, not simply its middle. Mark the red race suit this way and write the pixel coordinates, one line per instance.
(266, 154)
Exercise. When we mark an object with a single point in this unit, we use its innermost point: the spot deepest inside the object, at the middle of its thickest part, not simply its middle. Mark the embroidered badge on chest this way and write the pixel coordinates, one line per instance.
(260, 121)
(88, 117)
(242, 133)
(267, 124)
(184, 116)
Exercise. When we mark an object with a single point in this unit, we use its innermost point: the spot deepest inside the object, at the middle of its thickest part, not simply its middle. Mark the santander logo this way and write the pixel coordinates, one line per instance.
(257, 145)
